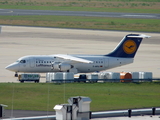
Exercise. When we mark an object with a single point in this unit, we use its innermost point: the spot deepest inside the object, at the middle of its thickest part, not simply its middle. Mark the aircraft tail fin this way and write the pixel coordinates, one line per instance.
(128, 46)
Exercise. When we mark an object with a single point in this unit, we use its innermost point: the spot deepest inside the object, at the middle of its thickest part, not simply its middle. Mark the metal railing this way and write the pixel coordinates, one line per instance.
(106, 80)
(104, 114)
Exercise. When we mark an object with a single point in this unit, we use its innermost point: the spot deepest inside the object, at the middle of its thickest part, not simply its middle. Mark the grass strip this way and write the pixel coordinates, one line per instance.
(71, 8)
(105, 96)
(138, 6)
(127, 24)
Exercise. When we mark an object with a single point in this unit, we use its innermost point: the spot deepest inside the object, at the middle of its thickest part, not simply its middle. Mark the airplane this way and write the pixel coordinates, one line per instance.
(123, 54)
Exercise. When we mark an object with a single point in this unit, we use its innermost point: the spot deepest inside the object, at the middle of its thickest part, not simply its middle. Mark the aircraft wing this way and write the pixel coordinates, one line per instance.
(71, 58)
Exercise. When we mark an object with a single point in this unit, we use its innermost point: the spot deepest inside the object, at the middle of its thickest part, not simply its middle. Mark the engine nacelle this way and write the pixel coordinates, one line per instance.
(64, 66)
(61, 66)
(55, 65)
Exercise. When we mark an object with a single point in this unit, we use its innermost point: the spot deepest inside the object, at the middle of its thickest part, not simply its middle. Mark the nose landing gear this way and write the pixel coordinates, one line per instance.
(16, 74)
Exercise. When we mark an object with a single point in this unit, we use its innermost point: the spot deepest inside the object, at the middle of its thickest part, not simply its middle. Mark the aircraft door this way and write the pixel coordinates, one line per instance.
(106, 61)
(32, 63)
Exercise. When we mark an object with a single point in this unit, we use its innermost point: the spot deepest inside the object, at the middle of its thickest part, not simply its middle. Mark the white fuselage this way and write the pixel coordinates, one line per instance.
(43, 63)
(123, 54)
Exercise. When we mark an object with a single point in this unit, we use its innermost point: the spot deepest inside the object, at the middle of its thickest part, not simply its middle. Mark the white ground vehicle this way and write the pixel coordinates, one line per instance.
(29, 77)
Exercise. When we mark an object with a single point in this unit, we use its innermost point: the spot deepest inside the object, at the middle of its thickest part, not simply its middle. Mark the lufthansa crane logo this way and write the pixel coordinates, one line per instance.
(129, 47)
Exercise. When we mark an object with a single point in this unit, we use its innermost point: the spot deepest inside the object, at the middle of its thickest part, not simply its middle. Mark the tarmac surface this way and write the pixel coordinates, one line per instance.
(26, 113)
(18, 41)
(78, 13)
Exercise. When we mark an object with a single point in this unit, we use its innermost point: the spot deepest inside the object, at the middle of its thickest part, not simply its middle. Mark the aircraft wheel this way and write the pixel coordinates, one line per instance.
(16, 75)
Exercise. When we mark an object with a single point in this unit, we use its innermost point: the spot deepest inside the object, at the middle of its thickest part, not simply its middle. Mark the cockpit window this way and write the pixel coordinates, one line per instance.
(23, 61)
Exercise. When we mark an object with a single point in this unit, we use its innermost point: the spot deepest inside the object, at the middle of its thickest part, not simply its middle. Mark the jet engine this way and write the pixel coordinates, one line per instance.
(55, 65)
(61, 66)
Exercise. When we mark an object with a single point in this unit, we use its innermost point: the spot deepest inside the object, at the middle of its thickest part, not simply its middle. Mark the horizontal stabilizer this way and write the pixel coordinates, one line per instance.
(139, 36)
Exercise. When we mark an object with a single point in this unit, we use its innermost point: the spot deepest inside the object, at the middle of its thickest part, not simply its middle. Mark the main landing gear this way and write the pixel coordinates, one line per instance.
(16, 74)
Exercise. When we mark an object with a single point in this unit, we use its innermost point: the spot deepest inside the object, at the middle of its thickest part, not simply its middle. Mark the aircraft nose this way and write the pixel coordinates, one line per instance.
(13, 67)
